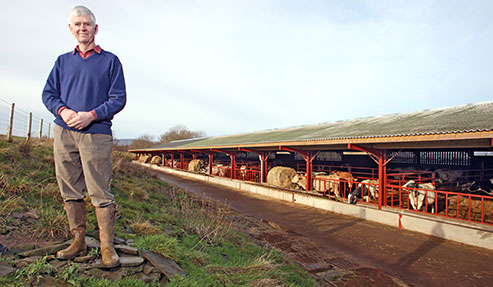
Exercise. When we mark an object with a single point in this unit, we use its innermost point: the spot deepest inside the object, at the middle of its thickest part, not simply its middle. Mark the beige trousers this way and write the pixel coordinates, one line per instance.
(83, 162)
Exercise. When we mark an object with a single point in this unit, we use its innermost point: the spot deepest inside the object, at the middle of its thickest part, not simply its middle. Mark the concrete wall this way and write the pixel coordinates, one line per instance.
(464, 232)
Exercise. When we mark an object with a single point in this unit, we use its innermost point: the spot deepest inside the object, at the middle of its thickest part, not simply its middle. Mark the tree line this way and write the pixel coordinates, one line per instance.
(177, 132)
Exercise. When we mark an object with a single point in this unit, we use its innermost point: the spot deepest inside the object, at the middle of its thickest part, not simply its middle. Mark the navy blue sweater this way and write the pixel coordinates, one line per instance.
(95, 83)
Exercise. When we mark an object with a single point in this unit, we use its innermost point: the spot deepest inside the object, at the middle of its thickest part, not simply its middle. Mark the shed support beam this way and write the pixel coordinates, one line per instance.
(379, 156)
(211, 158)
(182, 160)
(232, 159)
(262, 155)
(309, 156)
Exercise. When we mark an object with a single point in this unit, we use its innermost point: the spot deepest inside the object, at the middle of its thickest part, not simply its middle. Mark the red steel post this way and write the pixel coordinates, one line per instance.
(263, 162)
(309, 156)
(264, 156)
(381, 180)
(232, 157)
(309, 170)
(379, 157)
(182, 159)
(384, 182)
(211, 158)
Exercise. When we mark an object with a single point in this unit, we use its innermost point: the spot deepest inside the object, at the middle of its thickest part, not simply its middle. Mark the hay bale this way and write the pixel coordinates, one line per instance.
(145, 158)
(156, 160)
(196, 165)
(281, 176)
(475, 205)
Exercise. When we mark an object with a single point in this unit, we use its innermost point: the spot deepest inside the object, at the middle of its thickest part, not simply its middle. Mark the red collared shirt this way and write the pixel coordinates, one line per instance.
(96, 49)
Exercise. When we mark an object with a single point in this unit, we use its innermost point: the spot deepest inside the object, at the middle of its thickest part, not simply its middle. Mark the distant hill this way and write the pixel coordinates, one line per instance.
(124, 142)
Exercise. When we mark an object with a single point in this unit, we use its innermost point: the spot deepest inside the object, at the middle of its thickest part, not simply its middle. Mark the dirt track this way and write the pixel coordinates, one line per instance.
(361, 253)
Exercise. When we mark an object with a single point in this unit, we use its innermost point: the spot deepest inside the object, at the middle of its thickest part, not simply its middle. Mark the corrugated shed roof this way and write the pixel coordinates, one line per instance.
(177, 143)
(459, 119)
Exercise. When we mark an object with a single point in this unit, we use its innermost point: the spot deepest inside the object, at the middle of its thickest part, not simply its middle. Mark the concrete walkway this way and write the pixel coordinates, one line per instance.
(414, 258)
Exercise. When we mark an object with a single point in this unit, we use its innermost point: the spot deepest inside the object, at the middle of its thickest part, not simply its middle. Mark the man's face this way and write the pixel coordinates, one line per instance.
(83, 29)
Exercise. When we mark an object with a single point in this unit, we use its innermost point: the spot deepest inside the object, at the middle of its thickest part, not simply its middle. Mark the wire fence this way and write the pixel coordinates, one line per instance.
(14, 121)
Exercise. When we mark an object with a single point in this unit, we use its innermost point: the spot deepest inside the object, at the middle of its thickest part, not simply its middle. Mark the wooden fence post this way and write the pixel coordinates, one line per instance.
(11, 123)
(29, 126)
(41, 128)
(49, 130)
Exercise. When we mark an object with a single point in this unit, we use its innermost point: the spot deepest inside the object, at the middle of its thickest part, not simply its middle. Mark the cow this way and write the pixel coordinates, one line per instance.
(218, 169)
(484, 188)
(367, 189)
(419, 192)
(448, 176)
(242, 172)
(325, 183)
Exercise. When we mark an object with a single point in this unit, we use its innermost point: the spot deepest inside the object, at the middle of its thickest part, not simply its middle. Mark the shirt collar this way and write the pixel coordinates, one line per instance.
(96, 49)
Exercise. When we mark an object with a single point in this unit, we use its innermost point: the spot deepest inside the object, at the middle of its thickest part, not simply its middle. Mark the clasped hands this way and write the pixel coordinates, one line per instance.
(75, 120)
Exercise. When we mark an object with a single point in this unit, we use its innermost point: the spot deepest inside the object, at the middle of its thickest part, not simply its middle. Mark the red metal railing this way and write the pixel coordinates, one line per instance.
(337, 188)
(400, 177)
(251, 174)
(360, 172)
(457, 205)
(449, 201)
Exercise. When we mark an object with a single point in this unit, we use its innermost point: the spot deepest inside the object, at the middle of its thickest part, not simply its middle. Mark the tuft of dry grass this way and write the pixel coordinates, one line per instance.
(52, 191)
(52, 224)
(12, 203)
(138, 194)
(201, 216)
(145, 228)
(25, 148)
(261, 268)
(18, 186)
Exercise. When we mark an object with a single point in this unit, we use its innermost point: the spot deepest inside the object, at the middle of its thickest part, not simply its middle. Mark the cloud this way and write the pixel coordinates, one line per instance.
(235, 66)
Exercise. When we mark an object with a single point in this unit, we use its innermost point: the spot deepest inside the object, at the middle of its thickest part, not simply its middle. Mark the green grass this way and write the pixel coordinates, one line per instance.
(198, 236)
(34, 272)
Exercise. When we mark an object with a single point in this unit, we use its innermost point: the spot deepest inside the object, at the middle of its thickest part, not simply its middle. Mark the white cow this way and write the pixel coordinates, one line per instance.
(367, 189)
(419, 192)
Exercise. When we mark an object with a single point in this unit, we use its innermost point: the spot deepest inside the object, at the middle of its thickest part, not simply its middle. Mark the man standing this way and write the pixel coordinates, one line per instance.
(84, 90)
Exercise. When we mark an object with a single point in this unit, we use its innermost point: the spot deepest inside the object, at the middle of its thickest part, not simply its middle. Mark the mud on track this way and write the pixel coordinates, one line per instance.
(344, 250)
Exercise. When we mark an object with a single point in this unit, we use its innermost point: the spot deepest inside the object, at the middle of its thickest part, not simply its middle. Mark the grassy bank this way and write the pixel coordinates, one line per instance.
(155, 215)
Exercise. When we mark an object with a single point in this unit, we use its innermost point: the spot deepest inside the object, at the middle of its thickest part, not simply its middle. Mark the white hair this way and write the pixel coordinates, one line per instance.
(82, 11)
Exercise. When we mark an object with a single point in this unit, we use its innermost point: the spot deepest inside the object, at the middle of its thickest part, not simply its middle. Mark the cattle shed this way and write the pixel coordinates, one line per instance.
(450, 148)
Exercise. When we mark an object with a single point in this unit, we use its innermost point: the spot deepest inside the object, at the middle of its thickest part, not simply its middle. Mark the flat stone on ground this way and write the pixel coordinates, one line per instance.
(118, 240)
(167, 266)
(148, 269)
(26, 261)
(43, 251)
(99, 264)
(131, 261)
(91, 242)
(127, 249)
(6, 270)
(83, 258)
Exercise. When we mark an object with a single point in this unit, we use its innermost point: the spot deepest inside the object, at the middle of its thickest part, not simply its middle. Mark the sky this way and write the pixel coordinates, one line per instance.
(227, 67)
